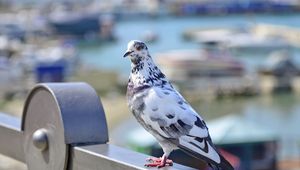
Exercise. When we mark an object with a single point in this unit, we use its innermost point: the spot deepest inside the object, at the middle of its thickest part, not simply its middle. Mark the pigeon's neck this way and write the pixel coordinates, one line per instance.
(146, 73)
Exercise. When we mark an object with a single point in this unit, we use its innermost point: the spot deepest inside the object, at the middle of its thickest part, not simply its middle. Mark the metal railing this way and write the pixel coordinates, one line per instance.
(63, 127)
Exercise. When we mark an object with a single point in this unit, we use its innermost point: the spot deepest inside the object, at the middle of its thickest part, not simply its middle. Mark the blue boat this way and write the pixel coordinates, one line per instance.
(82, 25)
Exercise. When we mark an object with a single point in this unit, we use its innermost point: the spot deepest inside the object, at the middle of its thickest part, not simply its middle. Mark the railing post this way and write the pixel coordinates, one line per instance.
(67, 114)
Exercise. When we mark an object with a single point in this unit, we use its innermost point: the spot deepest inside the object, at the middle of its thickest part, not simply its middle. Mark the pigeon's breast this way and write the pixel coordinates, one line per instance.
(137, 107)
(135, 97)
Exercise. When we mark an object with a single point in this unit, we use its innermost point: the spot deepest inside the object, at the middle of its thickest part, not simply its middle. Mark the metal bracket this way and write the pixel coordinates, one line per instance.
(58, 114)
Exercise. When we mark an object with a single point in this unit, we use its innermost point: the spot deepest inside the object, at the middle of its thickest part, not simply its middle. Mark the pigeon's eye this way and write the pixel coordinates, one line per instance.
(139, 48)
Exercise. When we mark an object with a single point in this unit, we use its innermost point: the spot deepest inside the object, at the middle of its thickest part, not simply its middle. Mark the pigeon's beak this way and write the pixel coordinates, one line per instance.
(127, 53)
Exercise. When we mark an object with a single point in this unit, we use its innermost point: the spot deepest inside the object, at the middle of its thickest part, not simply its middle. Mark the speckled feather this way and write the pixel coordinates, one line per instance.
(162, 111)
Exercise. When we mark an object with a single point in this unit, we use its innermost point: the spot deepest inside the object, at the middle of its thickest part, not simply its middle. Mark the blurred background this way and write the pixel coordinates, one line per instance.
(236, 61)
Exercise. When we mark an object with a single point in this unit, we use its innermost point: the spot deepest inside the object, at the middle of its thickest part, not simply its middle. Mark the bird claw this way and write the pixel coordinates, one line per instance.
(158, 162)
(149, 159)
(153, 159)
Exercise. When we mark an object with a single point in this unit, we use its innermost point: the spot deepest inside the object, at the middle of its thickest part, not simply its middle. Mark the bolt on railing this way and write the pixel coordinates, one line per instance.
(63, 127)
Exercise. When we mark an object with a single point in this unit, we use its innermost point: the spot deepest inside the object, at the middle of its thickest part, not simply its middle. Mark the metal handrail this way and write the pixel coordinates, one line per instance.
(64, 127)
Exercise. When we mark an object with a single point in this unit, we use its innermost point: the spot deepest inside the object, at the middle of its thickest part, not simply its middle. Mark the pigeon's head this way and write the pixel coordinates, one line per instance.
(136, 51)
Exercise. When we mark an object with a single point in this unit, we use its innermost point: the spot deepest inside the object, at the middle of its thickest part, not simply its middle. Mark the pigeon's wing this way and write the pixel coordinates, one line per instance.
(168, 114)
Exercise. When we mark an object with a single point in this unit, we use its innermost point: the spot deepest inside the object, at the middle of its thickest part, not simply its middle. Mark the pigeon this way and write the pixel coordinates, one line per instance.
(165, 114)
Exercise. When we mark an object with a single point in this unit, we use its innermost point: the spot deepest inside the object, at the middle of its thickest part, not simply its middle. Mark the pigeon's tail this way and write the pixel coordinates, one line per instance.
(224, 165)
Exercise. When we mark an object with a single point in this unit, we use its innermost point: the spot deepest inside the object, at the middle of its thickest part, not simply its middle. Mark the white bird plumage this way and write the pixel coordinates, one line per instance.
(162, 111)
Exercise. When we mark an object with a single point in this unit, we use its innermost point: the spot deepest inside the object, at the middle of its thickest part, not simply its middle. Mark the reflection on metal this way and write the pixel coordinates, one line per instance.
(64, 127)
(40, 139)
(11, 137)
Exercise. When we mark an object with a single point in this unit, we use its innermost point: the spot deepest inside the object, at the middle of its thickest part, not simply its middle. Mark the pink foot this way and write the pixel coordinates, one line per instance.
(159, 162)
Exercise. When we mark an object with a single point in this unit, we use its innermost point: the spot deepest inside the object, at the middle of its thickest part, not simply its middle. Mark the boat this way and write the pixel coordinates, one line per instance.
(12, 31)
(287, 33)
(149, 36)
(210, 69)
(280, 63)
(279, 73)
(54, 64)
(240, 39)
(85, 24)
(210, 61)
(255, 149)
